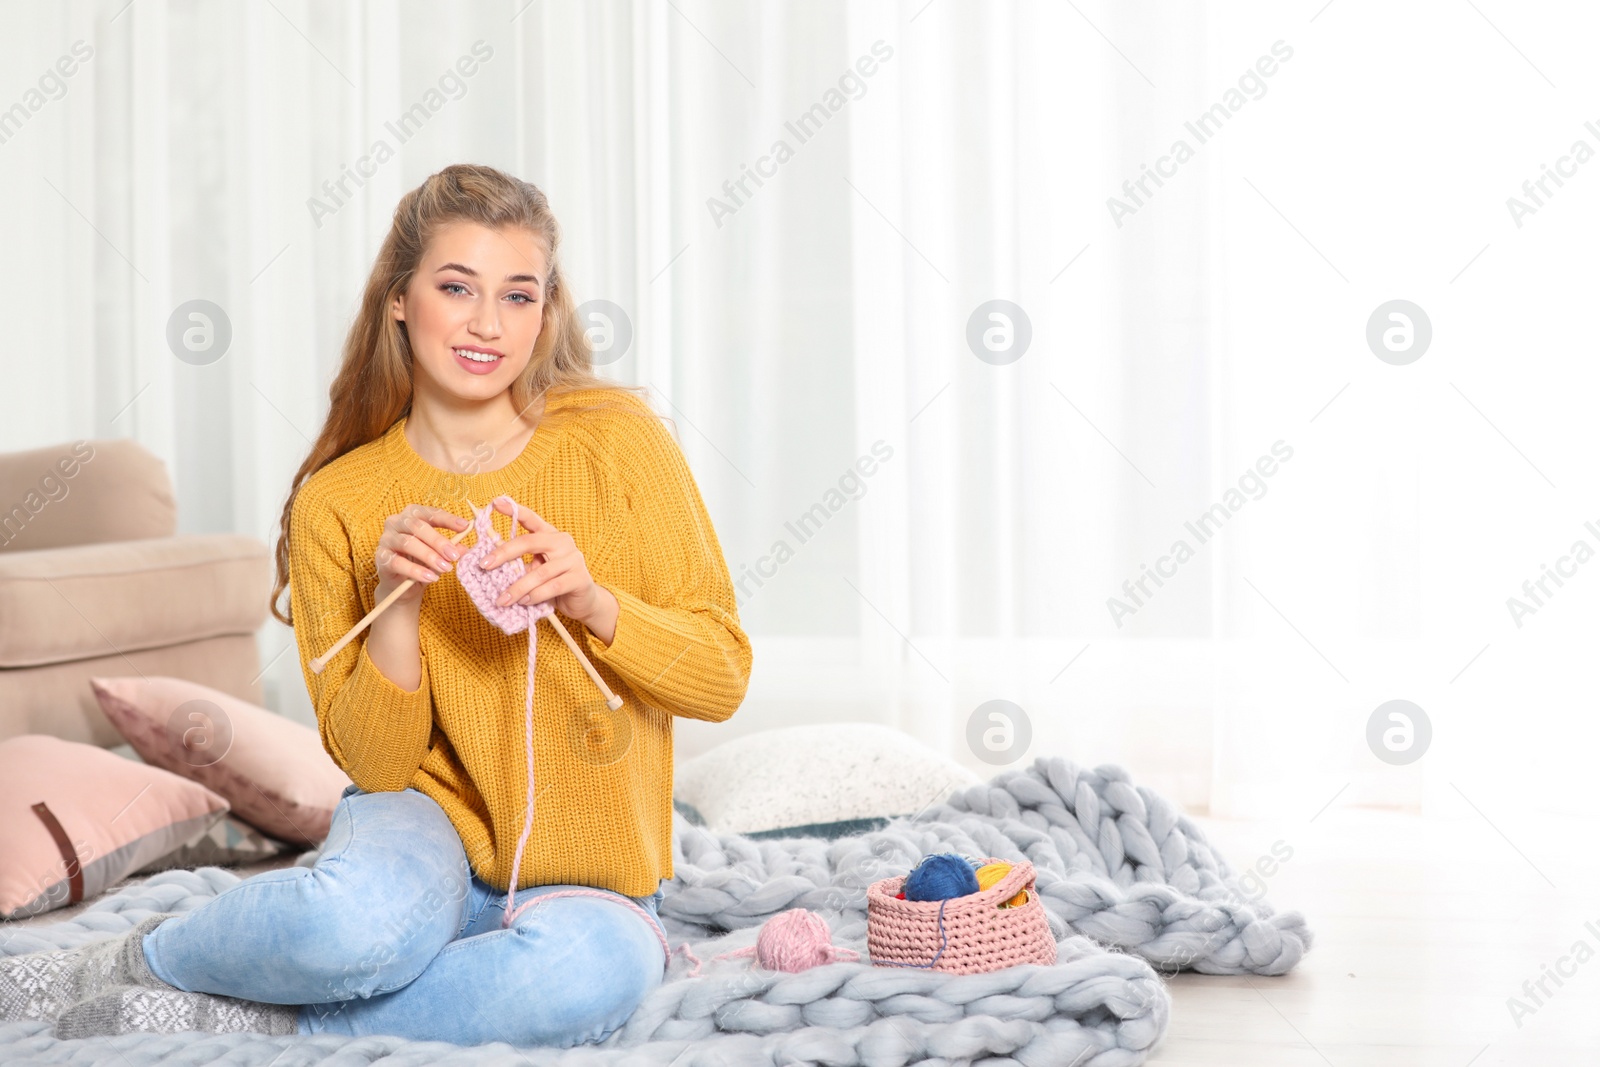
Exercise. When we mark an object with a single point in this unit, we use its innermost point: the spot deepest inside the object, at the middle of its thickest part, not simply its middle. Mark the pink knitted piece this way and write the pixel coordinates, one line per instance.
(484, 587)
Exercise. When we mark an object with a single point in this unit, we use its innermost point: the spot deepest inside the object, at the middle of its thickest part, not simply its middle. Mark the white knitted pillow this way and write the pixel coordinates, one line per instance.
(823, 780)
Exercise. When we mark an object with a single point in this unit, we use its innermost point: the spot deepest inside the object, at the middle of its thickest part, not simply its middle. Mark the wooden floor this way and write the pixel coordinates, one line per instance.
(1424, 929)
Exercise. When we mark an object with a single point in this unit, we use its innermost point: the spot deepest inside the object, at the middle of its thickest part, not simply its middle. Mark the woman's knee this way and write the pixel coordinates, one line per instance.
(599, 961)
(379, 909)
(407, 820)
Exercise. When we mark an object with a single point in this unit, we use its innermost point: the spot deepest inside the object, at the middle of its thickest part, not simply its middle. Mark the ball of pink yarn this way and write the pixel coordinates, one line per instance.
(794, 940)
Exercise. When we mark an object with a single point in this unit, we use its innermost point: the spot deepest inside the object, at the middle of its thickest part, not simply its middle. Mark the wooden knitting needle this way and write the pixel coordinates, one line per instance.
(322, 661)
(612, 700)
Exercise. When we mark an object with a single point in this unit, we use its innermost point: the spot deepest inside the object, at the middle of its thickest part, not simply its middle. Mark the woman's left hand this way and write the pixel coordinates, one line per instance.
(558, 572)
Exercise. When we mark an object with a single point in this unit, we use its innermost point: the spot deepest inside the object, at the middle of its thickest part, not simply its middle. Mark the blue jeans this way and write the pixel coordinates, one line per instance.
(392, 933)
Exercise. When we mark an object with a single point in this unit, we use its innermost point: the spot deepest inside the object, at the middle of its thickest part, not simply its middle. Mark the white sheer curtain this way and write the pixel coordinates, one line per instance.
(917, 526)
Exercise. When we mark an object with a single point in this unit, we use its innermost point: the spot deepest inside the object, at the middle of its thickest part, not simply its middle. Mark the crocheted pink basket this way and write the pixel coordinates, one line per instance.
(979, 935)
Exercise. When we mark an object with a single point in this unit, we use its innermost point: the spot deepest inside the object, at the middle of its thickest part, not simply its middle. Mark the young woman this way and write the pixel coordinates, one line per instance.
(466, 377)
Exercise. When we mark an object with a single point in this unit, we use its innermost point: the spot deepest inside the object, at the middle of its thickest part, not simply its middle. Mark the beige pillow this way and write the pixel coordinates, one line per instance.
(113, 817)
(275, 773)
(826, 780)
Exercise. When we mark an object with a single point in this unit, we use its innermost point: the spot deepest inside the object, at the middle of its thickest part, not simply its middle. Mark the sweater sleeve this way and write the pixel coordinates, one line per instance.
(679, 642)
(375, 731)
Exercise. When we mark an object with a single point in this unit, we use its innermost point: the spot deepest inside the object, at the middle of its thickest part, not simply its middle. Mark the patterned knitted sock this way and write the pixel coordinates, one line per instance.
(133, 1009)
(41, 985)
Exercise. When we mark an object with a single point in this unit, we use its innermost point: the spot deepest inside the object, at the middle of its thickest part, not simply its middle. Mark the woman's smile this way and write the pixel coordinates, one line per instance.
(475, 359)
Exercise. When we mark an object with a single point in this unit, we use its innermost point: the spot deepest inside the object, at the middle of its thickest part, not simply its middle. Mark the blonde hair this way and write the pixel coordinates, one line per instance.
(373, 388)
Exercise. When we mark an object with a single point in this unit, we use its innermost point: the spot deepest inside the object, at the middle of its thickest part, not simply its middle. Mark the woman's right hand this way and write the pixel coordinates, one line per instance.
(411, 549)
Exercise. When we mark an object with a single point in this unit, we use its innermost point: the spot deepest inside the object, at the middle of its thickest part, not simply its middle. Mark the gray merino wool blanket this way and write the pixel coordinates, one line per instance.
(1129, 883)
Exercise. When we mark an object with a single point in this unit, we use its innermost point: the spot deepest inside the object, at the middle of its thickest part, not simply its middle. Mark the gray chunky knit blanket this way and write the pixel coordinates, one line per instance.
(1130, 884)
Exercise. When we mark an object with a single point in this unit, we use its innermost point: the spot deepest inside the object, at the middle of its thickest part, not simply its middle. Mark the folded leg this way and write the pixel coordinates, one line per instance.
(568, 971)
(387, 893)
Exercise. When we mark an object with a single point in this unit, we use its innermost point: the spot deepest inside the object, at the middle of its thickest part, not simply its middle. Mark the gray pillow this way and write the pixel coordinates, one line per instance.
(826, 780)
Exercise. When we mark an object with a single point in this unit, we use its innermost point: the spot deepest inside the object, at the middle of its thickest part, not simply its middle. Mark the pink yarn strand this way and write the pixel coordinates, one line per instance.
(527, 822)
(483, 587)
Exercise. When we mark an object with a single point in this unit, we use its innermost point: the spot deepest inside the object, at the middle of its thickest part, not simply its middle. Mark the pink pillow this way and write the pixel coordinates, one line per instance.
(113, 815)
(274, 772)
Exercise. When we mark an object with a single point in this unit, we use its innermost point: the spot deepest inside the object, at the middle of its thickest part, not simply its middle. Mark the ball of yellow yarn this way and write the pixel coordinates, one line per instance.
(990, 873)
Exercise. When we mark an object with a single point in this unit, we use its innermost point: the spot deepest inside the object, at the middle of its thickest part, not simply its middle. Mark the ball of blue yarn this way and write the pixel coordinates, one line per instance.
(942, 876)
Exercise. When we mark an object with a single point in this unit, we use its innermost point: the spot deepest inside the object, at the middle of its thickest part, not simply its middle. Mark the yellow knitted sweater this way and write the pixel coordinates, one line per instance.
(619, 484)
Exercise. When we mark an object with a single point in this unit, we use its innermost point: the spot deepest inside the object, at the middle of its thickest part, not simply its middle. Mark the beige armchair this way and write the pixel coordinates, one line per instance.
(94, 580)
